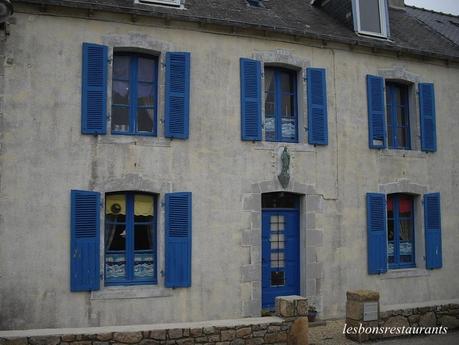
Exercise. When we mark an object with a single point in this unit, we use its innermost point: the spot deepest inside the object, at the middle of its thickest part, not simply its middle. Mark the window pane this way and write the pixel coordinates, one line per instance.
(269, 80)
(145, 69)
(405, 206)
(145, 94)
(270, 128)
(115, 239)
(121, 67)
(370, 16)
(120, 119)
(405, 230)
(402, 116)
(401, 137)
(145, 120)
(286, 82)
(287, 109)
(390, 229)
(143, 237)
(143, 265)
(115, 266)
(269, 109)
(120, 92)
(277, 278)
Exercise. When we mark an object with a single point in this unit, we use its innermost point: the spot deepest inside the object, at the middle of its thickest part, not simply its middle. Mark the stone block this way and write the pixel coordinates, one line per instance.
(449, 321)
(238, 341)
(228, 335)
(298, 334)
(428, 319)
(245, 332)
(148, 342)
(213, 338)
(395, 321)
(354, 310)
(195, 332)
(128, 337)
(209, 330)
(185, 342)
(413, 319)
(15, 341)
(69, 337)
(158, 335)
(362, 295)
(254, 341)
(50, 340)
(175, 333)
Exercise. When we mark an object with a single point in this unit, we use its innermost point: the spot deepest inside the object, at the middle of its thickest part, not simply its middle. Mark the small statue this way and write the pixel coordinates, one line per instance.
(284, 176)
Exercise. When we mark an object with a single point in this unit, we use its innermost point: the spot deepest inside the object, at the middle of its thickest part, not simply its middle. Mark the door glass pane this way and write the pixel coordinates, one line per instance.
(120, 119)
(277, 260)
(121, 67)
(145, 69)
(277, 278)
(370, 16)
(120, 92)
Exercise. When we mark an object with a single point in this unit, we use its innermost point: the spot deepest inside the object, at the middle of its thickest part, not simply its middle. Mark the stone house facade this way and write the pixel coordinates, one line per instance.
(172, 161)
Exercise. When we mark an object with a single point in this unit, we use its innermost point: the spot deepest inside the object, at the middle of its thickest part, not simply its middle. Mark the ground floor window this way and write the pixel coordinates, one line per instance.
(400, 231)
(130, 239)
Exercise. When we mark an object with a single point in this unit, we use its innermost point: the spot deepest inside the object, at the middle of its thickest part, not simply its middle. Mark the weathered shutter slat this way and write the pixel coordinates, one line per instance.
(376, 112)
(85, 240)
(317, 106)
(177, 105)
(178, 240)
(94, 89)
(250, 99)
(432, 225)
(427, 117)
(376, 233)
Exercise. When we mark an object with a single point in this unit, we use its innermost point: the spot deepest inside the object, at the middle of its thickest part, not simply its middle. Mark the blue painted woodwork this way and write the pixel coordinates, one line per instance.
(376, 233)
(135, 81)
(432, 224)
(177, 105)
(94, 89)
(376, 112)
(250, 99)
(178, 225)
(427, 117)
(272, 270)
(317, 106)
(85, 241)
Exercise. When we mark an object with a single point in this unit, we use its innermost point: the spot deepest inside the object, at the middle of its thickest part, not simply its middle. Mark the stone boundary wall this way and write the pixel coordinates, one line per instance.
(442, 315)
(290, 327)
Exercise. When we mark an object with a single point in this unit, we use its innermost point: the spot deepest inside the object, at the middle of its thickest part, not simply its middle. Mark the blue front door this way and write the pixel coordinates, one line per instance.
(280, 257)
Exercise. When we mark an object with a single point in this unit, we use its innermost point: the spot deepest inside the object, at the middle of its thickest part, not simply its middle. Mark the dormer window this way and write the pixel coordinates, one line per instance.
(371, 17)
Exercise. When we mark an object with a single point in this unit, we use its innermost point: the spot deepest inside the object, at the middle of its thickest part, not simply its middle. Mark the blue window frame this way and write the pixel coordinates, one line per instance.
(398, 116)
(130, 239)
(400, 231)
(134, 94)
(281, 113)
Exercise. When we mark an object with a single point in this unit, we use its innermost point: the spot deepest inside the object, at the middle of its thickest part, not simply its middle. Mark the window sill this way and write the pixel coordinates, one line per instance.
(403, 153)
(405, 273)
(271, 145)
(134, 140)
(130, 292)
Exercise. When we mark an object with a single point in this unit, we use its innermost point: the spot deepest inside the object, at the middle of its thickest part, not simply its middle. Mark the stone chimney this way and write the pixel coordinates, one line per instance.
(397, 3)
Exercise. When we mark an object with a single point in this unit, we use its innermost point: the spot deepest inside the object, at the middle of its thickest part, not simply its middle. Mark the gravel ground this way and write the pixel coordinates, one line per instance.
(332, 334)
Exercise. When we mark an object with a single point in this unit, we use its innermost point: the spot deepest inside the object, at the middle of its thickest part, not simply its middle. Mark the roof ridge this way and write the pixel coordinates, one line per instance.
(432, 11)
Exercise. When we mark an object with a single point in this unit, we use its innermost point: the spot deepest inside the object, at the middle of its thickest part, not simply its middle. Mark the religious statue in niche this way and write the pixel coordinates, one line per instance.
(284, 176)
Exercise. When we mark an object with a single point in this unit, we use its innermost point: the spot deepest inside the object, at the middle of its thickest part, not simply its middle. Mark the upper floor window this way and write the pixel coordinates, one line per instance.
(371, 17)
(130, 239)
(281, 115)
(398, 116)
(134, 100)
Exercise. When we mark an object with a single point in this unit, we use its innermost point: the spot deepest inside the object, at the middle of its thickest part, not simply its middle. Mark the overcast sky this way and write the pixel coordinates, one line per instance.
(447, 6)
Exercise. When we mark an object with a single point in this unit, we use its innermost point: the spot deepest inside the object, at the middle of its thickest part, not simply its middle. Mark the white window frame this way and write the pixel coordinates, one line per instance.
(383, 18)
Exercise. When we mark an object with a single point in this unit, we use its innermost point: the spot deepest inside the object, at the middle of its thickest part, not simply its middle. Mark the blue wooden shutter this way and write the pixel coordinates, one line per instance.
(427, 117)
(376, 232)
(376, 112)
(177, 107)
(178, 240)
(317, 107)
(432, 225)
(250, 100)
(94, 89)
(85, 240)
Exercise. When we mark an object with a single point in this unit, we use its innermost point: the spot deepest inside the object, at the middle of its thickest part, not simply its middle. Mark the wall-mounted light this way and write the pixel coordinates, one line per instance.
(6, 10)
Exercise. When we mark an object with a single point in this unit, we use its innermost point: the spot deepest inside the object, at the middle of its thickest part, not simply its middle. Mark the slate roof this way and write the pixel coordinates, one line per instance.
(445, 24)
(297, 17)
